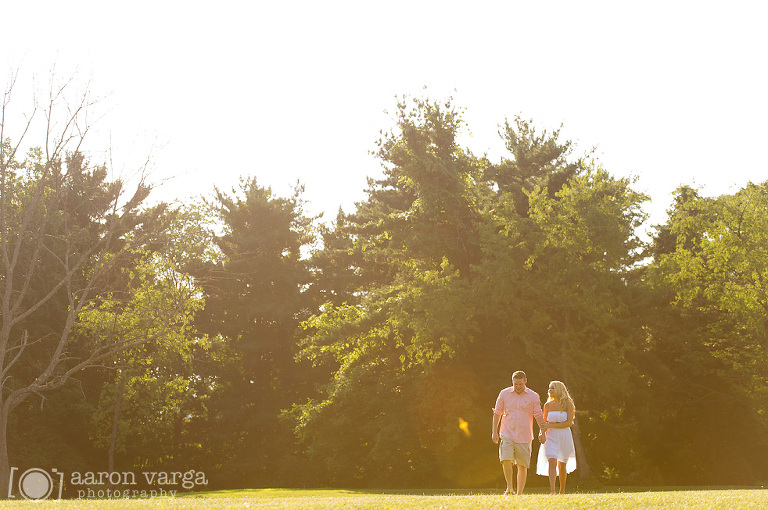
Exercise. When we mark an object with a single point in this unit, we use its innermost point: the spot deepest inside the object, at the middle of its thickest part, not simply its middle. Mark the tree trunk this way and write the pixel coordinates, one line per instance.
(5, 466)
(581, 457)
(115, 422)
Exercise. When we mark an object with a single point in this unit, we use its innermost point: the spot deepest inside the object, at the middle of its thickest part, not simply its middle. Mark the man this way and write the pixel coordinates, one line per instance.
(515, 409)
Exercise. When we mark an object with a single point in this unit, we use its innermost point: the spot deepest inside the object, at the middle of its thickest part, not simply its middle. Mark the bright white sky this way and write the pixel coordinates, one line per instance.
(670, 92)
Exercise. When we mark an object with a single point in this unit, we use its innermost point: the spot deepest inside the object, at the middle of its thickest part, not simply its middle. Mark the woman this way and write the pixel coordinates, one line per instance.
(557, 453)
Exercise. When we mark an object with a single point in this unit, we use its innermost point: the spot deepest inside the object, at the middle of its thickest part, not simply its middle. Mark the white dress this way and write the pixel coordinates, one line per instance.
(559, 445)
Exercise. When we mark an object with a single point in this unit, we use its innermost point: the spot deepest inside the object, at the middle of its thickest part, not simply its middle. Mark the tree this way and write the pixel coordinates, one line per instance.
(462, 267)
(586, 302)
(537, 160)
(709, 344)
(151, 396)
(64, 232)
(405, 255)
(256, 296)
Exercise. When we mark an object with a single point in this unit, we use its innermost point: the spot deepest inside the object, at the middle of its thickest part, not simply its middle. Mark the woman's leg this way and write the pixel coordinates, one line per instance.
(552, 475)
(563, 476)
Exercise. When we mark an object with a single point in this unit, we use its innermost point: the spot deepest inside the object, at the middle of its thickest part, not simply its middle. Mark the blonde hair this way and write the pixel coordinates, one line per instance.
(560, 394)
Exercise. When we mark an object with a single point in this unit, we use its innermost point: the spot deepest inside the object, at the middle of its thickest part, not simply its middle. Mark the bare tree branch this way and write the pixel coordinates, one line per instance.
(42, 230)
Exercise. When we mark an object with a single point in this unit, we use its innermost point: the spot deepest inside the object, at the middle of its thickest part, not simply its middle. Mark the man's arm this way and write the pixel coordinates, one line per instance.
(538, 414)
(540, 420)
(495, 427)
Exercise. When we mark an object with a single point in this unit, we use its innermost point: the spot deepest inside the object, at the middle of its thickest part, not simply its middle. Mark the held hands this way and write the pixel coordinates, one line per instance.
(543, 431)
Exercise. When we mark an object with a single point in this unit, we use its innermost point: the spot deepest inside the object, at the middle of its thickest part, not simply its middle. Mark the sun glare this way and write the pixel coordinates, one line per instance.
(464, 426)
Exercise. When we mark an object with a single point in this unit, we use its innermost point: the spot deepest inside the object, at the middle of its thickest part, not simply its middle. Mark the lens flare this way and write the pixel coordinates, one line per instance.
(464, 426)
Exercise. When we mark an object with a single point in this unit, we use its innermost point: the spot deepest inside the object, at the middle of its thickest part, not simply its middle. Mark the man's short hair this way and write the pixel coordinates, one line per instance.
(519, 375)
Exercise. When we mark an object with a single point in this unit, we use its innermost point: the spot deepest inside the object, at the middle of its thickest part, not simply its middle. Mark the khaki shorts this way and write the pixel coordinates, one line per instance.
(519, 453)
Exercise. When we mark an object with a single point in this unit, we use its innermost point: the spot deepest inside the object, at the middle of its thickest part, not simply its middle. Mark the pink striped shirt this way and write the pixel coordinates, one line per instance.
(517, 413)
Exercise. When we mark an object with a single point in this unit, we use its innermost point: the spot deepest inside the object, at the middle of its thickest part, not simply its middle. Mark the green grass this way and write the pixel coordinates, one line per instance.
(301, 499)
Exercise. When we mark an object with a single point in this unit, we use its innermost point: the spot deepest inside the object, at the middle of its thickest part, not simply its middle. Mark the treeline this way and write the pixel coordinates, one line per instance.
(368, 351)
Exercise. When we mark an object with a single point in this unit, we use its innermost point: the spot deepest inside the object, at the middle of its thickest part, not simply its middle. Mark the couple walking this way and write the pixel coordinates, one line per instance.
(515, 410)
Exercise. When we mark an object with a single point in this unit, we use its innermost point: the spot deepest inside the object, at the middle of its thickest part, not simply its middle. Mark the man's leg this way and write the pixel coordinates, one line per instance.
(522, 476)
(523, 460)
(506, 466)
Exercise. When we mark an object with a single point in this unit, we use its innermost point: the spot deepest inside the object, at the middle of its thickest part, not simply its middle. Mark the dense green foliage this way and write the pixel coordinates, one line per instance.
(368, 351)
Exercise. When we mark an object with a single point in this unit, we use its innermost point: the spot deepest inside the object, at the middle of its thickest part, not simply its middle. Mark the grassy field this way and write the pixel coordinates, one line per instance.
(429, 499)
